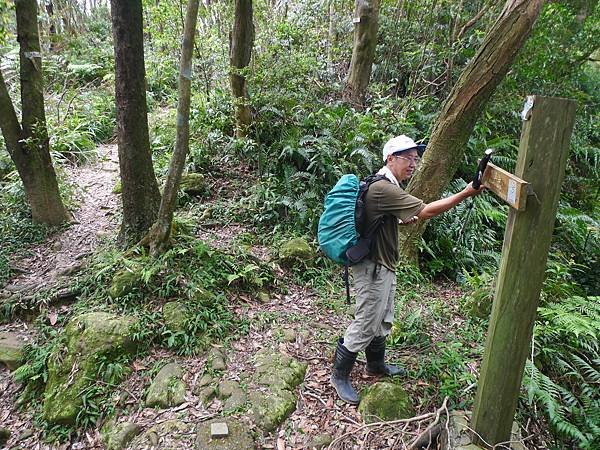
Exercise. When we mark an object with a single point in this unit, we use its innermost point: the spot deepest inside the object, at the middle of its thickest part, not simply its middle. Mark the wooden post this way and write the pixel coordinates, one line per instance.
(542, 159)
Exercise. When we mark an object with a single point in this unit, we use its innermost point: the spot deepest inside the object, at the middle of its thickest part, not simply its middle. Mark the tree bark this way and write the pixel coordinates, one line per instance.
(28, 143)
(52, 27)
(158, 237)
(140, 194)
(463, 106)
(240, 51)
(366, 17)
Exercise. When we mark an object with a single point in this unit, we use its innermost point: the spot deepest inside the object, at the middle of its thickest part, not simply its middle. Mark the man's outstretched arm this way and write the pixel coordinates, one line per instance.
(444, 204)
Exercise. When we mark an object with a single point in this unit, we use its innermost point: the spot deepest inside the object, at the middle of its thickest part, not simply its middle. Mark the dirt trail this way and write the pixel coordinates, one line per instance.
(62, 253)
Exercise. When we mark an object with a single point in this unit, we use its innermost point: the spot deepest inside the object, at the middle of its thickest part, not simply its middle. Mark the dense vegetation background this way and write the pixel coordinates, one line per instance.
(303, 137)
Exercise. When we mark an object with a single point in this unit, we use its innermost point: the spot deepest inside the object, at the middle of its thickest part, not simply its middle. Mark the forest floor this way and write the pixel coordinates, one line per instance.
(299, 323)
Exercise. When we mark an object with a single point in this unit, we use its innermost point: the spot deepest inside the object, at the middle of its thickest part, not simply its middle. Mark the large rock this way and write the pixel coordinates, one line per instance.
(269, 409)
(385, 401)
(116, 437)
(232, 394)
(193, 184)
(124, 282)
(11, 350)
(89, 340)
(168, 388)
(175, 314)
(216, 359)
(277, 375)
(239, 437)
(169, 435)
(277, 371)
(296, 252)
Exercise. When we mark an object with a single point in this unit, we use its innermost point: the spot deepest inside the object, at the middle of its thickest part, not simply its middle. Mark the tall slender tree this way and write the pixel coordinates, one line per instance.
(366, 20)
(241, 41)
(140, 194)
(464, 105)
(158, 237)
(28, 142)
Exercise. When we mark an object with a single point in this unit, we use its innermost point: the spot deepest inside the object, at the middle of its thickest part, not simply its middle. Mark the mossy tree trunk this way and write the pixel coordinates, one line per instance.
(158, 237)
(241, 41)
(27, 142)
(140, 194)
(463, 106)
(366, 19)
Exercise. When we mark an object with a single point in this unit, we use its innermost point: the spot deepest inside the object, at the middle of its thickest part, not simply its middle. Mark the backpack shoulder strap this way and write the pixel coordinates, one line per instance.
(364, 187)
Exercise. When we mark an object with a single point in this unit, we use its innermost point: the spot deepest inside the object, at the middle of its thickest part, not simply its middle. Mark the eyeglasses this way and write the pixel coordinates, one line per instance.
(416, 160)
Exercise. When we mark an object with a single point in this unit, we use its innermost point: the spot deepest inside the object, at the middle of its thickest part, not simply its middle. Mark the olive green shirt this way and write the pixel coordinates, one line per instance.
(385, 198)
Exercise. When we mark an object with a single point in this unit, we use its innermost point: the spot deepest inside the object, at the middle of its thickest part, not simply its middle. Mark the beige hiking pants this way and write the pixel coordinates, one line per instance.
(374, 305)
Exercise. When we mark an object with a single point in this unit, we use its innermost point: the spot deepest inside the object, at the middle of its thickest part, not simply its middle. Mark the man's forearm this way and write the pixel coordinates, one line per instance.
(442, 205)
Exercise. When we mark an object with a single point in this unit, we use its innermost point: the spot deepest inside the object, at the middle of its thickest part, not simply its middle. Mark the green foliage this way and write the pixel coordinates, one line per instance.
(98, 398)
(192, 273)
(82, 121)
(468, 236)
(5, 18)
(478, 301)
(17, 231)
(564, 378)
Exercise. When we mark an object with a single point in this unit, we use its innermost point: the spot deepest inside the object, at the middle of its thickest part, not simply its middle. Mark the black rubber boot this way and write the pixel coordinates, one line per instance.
(340, 378)
(375, 353)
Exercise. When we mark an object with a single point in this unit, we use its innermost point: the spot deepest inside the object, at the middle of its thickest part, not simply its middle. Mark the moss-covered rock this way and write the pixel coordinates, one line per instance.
(205, 380)
(278, 375)
(206, 395)
(239, 438)
(169, 435)
(4, 436)
(124, 282)
(118, 436)
(89, 339)
(233, 395)
(216, 359)
(175, 314)
(296, 251)
(321, 441)
(277, 371)
(193, 184)
(269, 409)
(11, 350)
(385, 401)
(168, 388)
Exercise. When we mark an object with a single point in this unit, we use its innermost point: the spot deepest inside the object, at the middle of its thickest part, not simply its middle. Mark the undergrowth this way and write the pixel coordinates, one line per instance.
(203, 280)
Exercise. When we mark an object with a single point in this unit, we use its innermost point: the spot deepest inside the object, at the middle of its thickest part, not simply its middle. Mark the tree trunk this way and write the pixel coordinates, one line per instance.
(28, 144)
(363, 52)
(140, 194)
(240, 51)
(52, 27)
(463, 106)
(158, 237)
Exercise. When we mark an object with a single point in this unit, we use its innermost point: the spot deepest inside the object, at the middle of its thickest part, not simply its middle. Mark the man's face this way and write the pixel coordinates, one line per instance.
(404, 164)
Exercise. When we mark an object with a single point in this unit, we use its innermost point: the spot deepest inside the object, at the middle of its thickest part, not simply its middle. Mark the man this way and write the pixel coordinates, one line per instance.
(375, 277)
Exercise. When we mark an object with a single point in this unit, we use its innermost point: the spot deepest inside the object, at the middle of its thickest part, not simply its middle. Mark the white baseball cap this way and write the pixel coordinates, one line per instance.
(400, 144)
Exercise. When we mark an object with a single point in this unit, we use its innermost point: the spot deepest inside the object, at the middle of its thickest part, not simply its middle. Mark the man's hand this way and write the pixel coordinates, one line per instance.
(470, 191)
